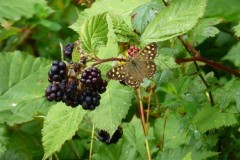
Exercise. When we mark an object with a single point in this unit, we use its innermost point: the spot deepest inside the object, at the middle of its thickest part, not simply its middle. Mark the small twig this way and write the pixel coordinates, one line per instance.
(149, 104)
(148, 150)
(91, 145)
(99, 61)
(165, 3)
(163, 133)
(141, 111)
(73, 146)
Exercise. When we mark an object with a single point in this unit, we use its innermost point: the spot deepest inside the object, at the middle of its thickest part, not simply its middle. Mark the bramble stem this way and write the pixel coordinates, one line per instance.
(141, 112)
(99, 61)
(91, 145)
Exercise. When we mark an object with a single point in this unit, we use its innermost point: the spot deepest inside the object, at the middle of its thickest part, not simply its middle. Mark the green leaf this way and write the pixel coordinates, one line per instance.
(121, 150)
(23, 83)
(60, 125)
(202, 154)
(237, 30)
(123, 32)
(134, 135)
(118, 7)
(229, 10)
(203, 30)
(233, 55)
(232, 88)
(180, 17)
(114, 106)
(27, 110)
(173, 135)
(93, 33)
(5, 33)
(165, 59)
(3, 139)
(144, 14)
(14, 10)
(51, 25)
(212, 118)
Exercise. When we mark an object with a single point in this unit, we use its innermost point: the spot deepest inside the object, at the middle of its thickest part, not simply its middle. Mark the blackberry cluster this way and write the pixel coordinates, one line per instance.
(71, 94)
(90, 99)
(95, 85)
(58, 72)
(91, 77)
(54, 92)
(68, 88)
(105, 137)
(132, 51)
(67, 50)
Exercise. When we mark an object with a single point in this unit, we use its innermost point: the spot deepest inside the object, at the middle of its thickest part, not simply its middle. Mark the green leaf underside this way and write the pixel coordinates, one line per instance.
(93, 33)
(177, 19)
(124, 33)
(23, 83)
(14, 10)
(233, 55)
(210, 118)
(203, 30)
(60, 125)
(114, 106)
(144, 14)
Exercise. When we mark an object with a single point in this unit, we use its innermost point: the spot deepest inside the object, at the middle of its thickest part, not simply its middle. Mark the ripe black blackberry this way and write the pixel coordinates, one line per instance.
(91, 77)
(58, 72)
(90, 99)
(67, 50)
(105, 137)
(132, 51)
(101, 86)
(71, 95)
(54, 92)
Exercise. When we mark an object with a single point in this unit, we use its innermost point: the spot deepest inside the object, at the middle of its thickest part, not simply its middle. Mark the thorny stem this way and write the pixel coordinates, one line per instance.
(198, 57)
(99, 61)
(141, 112)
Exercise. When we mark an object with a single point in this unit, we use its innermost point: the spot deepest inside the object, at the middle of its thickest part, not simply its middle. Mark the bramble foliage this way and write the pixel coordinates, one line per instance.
(188, 110)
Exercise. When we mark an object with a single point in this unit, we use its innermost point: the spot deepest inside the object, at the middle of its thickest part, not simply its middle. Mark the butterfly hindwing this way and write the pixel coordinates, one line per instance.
(151, 69)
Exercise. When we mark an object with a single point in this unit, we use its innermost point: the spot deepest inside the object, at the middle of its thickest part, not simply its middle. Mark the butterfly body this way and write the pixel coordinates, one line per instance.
(136, 68)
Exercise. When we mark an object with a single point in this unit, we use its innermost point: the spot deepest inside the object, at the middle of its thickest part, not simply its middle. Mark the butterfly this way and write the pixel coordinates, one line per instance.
(136, 68)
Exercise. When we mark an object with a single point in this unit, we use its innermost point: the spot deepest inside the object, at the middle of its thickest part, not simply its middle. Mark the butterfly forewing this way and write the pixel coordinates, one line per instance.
(148, 52)
(118, 72)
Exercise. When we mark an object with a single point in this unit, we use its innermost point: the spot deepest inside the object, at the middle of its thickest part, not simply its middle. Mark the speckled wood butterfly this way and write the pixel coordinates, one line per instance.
(136, 68)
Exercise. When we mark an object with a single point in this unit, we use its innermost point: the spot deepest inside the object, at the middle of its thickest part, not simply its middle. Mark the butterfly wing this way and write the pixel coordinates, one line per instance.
(135, 73)
(148, 53)
(118, 72)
